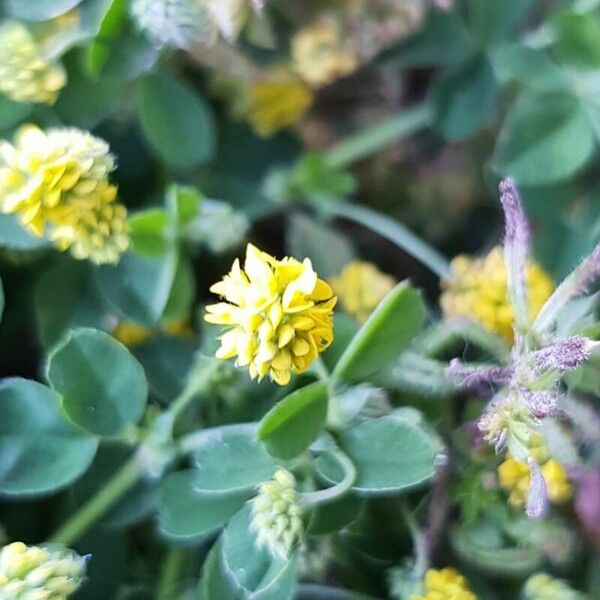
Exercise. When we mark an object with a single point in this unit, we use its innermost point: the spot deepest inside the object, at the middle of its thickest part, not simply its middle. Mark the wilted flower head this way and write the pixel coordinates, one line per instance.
(542, 586)
(34, 572)
(478, 290)
(277, 101)
(360, 287)
(444, 584)
(276, 514)
(278, 314)
(57, 183)
(187, 24)
(25, 74)
(321, 52)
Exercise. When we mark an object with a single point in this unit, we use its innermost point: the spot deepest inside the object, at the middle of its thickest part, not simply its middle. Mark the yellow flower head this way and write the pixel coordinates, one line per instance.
(445, 584)
(478, 290)
(59, 180)
(276, 102)
(321, 53)
(360, 287)
(278, 314)
(25, 74)
(35, 572)
(514, 478)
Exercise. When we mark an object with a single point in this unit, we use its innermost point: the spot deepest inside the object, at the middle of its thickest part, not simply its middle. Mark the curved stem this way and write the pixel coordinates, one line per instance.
(123, 480)
(393, 231)
(419, 542)
(310, 499)
(374, 138)
(170, 576)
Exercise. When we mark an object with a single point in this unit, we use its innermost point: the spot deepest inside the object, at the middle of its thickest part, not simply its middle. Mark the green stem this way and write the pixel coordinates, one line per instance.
(393, 231)
(329, 494)
(123, 480)
(419, 543)
(170, 576)
(380, 135)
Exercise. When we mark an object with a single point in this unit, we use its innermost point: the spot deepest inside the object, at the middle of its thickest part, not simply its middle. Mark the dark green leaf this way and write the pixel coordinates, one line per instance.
(177, 122)
(40, 451)
(492, 22)
(577, 39)
(12, 113)
(466, 98)
(333, 516)
(391, 455)
(150, 232)
(388, 331)
(103, 386)
(112, 24)
(184, 512)
(231, 459)
(293, 423)
(545, 139)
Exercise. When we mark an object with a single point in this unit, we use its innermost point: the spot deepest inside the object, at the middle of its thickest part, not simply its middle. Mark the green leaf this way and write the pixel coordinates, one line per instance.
(183, 203)
(40, 451)
(333, 516)
(545, 139)
(112, 24)
(177, 122)
(183, 291)
(103, 386)
(39, 10)
(577, 39)
(184, 512)
(139, 287)
(73, 303)
(15, 237)
(392, 455)
(388, 331)
(12, 113)
(237, 569)
(466, 98)
(492, 22)
(231, 459)
(150, 232)
(293, 423)
(328, 250)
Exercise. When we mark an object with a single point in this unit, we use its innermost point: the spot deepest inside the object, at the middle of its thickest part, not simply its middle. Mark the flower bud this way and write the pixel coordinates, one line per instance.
(542, 586)
(25, 74)
(39, 573)
(277, 515)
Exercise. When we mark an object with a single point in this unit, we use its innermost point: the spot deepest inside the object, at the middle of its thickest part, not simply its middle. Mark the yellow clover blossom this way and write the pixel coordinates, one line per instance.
(57, 183)
(445, 584)
(321, 53)
(276, 102)
(131, 334)
(514, 478)
(34, 572)
(360, 287)
(25, 74)
(278, 315)
(478, 290)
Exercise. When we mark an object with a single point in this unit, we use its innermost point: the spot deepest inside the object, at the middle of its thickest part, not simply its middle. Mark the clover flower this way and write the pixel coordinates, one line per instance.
(322, 53)
(515, 477)
(478, 290)
(527, 390)
(57, 183)
(278, 314)
(132, 334)
(542, 586)
(360, 287)
(277, 101)
(34, 572)
(25, 74)
(188, 24)
(444, 584)
(276, 514)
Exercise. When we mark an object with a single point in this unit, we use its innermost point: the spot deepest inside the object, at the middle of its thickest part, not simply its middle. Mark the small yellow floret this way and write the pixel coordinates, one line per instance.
(478, 291)
(131, 334)
(514, 478)
(360, 287)
(278, 315)
(57, 183)
(25, 74)
(321, 53)
(276, 102)
(445, 584)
